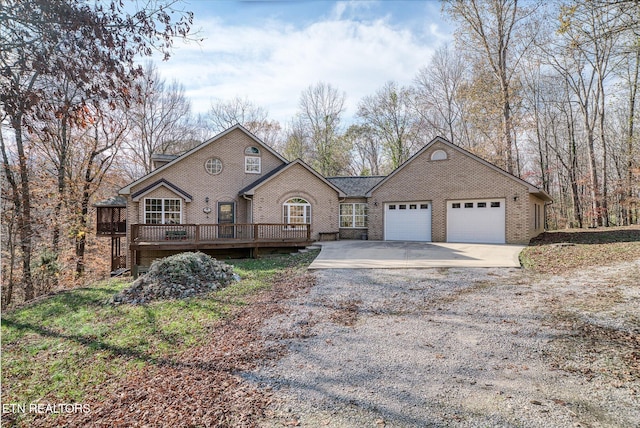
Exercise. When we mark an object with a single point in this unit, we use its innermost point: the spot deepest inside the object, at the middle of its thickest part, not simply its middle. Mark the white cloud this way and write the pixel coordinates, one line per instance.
(272, 64)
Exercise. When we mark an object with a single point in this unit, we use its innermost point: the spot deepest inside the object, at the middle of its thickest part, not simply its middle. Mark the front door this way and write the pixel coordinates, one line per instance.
(226, 219)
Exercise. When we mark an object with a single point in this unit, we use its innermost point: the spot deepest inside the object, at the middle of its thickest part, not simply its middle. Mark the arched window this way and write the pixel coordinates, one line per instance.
(296, 211)
(439, 155)
(252, 151)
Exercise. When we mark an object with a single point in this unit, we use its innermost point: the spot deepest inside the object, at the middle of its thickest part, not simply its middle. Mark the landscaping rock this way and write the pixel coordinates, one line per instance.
(177, 277)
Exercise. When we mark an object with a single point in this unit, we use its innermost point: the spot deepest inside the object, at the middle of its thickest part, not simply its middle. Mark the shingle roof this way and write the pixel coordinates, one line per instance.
(127, 189)
(250, 188)
(263, 178)
(356, 187)
(114, 201)
(162, 182)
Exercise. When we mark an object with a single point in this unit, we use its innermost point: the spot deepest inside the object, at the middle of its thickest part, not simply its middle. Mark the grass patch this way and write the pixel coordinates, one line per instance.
(71, 344)
(562, 251)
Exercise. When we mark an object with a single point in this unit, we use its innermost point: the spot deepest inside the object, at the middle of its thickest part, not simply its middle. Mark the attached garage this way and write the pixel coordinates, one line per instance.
(407, 221)
(479, 221)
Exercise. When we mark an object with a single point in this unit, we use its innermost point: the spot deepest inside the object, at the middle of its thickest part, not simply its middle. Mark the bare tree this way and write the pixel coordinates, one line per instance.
(160, 121)
(225, 114)
(99, 149)
(499, 32)
(438, 98)
(390, 117)
(367, 149)
(296, 145)
(320, 114)
(582, 56)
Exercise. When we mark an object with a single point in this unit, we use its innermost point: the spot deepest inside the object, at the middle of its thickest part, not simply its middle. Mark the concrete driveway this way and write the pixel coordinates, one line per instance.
(393, 254)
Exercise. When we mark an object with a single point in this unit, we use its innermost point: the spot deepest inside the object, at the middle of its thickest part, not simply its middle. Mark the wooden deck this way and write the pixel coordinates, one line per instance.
(185, 237)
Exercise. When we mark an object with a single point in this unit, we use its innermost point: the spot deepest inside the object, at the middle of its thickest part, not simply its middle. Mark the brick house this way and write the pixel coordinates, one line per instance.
(233, 192)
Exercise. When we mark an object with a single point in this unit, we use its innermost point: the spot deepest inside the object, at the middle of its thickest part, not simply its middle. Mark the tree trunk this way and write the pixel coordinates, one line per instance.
(81, 237)
(630, 136)
(507, 125)
(24, 215)
(8, 294)
(61, 172)
(594, 187)
(573, 175)
(603, 215)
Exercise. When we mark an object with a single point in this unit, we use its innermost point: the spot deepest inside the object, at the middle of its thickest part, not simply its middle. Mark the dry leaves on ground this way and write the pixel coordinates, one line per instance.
(200, 387)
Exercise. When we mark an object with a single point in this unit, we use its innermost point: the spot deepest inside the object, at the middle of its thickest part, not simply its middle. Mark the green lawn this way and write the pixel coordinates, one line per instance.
(68, 345)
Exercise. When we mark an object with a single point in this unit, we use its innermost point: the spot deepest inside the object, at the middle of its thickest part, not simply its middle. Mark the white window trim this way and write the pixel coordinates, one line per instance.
(162, 211)
(438, 155)
(353, 216)
(249, 168)
(286, 212)
(212, 160)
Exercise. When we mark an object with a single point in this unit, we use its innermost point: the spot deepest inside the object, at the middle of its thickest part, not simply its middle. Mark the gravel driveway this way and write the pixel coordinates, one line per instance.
(453, 347)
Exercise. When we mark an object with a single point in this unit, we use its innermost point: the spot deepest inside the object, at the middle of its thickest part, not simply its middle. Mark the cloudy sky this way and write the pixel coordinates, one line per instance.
(270, 51)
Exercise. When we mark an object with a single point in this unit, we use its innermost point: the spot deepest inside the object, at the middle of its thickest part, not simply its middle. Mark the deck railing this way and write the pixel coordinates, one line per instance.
(202, 233)
(111, 228)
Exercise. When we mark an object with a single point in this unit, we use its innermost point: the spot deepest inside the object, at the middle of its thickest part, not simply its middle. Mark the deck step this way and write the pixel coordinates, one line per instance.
(314, 247)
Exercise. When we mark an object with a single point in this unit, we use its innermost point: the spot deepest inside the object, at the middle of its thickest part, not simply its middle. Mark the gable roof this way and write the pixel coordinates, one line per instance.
(250, 189)
(161, 183)
(262, 179)
(127, 189)
(357, 186)
(532, 189)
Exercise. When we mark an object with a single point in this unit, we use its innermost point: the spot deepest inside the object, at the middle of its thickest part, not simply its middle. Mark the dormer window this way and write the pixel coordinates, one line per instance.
(252, 161)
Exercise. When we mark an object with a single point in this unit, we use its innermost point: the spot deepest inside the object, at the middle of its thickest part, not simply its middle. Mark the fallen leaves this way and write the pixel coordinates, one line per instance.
(200, 387)
(557, 252)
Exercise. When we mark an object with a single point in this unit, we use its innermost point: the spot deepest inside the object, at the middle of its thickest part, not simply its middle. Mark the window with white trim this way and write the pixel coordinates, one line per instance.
(213, 166)
(252, 162)
(162, 211)
(252, 165)
(353, 216)
(296, 211)
(438, 155)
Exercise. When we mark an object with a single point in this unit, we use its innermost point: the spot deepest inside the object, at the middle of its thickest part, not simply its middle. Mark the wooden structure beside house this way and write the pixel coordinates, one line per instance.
(111, 221)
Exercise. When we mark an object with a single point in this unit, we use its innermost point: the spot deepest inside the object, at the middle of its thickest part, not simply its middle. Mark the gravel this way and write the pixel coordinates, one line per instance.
(451, 347)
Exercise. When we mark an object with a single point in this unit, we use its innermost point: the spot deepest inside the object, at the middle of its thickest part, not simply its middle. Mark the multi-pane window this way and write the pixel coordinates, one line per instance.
(252, 160)
(353, 215)
(162, 211)
(213, 166)
(252, 164)
(297, 211)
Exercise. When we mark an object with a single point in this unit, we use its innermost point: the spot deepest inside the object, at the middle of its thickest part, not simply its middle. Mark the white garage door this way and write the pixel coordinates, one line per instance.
(481, 221)
(407, 221)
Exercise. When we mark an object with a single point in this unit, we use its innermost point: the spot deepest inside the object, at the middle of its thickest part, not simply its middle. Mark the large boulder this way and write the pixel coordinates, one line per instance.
(177, 277)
